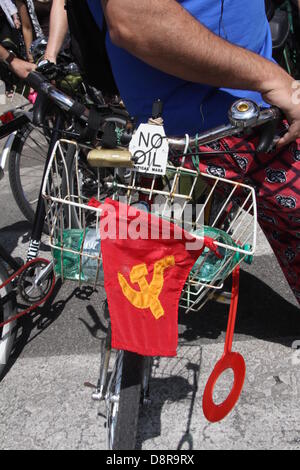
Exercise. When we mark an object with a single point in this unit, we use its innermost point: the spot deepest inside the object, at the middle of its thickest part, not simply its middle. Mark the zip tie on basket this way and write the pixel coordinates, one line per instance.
(195, 158)
(119, 133)
(186, 148)
(210, 244)
(93, 202)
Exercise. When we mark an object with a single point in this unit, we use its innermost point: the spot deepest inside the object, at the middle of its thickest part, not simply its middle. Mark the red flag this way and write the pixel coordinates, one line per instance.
(144, 277)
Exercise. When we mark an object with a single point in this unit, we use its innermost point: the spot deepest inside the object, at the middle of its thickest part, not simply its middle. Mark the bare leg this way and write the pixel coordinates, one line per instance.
(58, 30)
(26, 27)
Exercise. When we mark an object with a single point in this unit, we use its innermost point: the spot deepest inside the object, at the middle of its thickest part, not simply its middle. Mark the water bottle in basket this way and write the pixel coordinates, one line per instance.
(209, 267)
(91, 266)
(78, 255)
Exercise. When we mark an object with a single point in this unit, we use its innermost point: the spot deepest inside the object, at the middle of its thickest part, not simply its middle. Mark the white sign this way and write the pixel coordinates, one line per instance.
(150, 148)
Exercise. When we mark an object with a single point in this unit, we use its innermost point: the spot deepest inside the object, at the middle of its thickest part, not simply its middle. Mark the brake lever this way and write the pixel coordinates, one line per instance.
(268, 138)
(48, 69)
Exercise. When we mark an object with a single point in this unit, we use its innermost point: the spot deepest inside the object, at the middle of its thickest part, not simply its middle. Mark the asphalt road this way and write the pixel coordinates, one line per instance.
(58, 347)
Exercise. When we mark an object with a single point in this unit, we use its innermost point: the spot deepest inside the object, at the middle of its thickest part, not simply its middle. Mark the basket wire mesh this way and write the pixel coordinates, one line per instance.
(202, 204)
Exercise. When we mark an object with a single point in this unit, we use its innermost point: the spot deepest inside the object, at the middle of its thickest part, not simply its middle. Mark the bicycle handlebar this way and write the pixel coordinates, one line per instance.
(265, 116)
(242, 119)
(41, 85)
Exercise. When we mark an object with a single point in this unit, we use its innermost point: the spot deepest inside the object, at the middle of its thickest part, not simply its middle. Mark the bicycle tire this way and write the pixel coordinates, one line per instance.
(7, 310)
(16, 164)
(129, 399)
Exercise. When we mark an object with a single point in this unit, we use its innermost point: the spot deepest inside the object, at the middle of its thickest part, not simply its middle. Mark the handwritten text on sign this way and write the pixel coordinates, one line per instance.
(150, 147)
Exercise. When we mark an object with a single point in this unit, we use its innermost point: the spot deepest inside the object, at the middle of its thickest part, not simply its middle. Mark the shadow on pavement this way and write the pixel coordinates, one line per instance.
(16, 235)
(262, 314)
(10, 235)
(31, 326)
(177, 381)
(39, 321)
(170, 389)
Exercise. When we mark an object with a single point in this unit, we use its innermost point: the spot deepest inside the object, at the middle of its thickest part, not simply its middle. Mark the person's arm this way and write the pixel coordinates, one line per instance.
(19, 67)
(26, 26)
(16, 21)
(166, 36)
(58, 30)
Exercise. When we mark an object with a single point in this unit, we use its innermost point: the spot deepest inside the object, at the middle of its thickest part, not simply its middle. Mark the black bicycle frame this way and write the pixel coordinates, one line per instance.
(14, 125)
(40, 213)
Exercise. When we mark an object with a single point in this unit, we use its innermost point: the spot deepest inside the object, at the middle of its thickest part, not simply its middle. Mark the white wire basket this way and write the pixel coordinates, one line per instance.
(202, 204)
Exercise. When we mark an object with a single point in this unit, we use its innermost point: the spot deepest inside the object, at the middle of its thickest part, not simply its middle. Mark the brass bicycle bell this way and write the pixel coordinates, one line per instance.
(243, 113)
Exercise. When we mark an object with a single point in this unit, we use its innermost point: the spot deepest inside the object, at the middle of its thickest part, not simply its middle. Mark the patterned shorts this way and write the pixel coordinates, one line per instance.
(276, 180)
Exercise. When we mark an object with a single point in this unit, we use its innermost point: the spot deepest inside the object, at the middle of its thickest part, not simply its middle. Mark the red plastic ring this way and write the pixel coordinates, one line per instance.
(213, 412)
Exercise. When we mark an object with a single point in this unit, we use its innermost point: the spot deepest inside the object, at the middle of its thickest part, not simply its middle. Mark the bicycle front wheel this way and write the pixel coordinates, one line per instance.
(123, 400)
(26, 166)
(7, 310)
(80, 179)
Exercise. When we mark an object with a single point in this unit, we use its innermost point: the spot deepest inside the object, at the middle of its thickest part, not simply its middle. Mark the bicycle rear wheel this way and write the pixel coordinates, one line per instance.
(7, 310)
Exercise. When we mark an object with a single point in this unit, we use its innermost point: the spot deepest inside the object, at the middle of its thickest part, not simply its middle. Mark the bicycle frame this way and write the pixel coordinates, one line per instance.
(9, 131)
(37, 228)
(12, 126)
(40, 213)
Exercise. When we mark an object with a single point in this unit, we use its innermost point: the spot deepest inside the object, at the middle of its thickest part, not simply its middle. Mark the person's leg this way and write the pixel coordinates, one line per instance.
(26, 27)
(276, 179)
(8, 35)
(5, 29)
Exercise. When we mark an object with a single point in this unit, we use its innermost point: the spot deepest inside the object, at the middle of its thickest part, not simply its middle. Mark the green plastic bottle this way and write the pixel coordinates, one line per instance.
(67, 264)
(213, 264)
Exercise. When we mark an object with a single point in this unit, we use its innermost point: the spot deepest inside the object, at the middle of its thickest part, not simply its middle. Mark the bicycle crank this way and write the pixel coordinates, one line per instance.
(35, 283)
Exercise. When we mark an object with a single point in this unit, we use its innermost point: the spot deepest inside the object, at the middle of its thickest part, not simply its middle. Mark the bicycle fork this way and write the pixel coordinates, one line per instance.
(102, 390)
(39, 218)
(40, 213)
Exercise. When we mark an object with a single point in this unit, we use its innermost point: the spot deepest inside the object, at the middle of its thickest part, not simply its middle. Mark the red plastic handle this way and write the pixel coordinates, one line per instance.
(229, 360)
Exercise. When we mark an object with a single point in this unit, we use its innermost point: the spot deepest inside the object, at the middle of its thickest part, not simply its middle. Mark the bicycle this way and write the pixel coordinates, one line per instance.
(26, 147)
(35, 280)
(128, 384)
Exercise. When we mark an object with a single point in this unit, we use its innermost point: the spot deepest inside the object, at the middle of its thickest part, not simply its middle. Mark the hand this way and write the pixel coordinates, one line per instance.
(30, 58)
(22, 68)
(51, 59)
(16, 21)
(282, 94)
